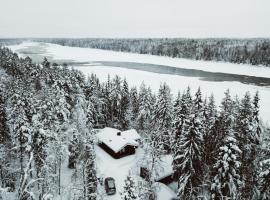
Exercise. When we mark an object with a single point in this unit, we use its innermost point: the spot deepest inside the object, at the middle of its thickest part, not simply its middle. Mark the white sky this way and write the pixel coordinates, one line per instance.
(134, 18)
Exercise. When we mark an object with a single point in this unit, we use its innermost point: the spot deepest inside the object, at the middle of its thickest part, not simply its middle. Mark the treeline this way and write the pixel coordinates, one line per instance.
(248, 51)
(48, 114)
(10, 41)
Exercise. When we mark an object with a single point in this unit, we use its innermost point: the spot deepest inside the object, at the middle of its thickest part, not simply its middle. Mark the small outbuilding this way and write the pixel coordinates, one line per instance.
(118, 143)
(165, 175)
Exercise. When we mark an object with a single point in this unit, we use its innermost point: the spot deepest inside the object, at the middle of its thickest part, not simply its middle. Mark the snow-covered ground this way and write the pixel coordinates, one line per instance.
(116, 168)
(176, 82)
(120, 168)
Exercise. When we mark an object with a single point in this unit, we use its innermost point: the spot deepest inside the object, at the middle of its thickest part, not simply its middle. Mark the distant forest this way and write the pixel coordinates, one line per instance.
(247, 51)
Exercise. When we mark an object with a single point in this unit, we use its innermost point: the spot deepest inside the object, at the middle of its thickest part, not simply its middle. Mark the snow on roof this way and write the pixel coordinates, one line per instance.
(164, 192)
(163, 169)
(117, 142)
(166, 167)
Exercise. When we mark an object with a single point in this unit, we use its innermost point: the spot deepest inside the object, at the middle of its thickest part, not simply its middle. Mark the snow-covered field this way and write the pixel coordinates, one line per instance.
(176, 82)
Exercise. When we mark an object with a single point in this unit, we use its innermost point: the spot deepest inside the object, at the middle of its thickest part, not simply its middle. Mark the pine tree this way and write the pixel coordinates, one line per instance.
(130, 189)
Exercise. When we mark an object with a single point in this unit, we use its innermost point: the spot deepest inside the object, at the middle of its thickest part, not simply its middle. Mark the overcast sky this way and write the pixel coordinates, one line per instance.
(134, 18)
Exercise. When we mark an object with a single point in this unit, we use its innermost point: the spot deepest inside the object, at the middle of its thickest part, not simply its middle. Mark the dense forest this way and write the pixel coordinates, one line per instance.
(49, 114)
(248, 51)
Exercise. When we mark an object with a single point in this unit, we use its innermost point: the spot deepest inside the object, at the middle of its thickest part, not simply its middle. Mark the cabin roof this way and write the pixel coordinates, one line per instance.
(117, 142)
(164, 192)
(165, 167)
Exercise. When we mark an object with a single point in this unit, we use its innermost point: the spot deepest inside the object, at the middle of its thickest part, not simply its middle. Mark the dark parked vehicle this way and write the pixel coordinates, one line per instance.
(110, 185)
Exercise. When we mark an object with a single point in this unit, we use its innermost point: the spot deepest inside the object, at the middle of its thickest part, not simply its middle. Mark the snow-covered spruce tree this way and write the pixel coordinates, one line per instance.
(190, 160)
(116, 101)
(59, 142)
(18, 123)
(83, 147)
(209, 136)
(175, 114)
(162, 117)
(256, 124)
(264, 166)
(21, 127)
(3, 119)
(124, 115)
(134, 106)
(248, 144)
(198, 103)
(145, 108)
(226, 178)
(130, 189)
(90, 170)
(45, 63)
(74, 149)
(226, 182)
(94, 102)
(151, 161)
(181, 113)
(81, 118)
(107, 101)
(43, 127)
(4, 138)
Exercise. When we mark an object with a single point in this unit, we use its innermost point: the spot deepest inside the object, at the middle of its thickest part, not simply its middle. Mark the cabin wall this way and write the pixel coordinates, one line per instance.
(128, 150)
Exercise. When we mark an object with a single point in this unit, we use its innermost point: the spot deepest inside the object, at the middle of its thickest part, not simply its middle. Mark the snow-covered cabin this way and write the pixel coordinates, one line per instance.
(118, 143)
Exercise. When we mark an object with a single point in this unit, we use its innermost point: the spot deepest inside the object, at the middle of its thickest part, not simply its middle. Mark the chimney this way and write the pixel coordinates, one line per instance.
(118, 133)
